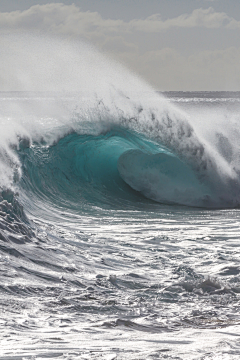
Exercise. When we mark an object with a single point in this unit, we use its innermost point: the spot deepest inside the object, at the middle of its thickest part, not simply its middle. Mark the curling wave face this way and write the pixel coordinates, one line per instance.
(109, 170)
(117, 157)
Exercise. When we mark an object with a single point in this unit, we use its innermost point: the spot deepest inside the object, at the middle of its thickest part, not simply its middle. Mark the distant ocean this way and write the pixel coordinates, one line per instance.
(119, 215)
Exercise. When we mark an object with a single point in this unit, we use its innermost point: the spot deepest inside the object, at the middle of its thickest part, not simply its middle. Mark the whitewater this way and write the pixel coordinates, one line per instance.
(119, 210)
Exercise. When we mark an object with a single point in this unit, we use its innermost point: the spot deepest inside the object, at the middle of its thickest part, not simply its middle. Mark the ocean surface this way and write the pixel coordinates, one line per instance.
(119, 213)
(119, 228)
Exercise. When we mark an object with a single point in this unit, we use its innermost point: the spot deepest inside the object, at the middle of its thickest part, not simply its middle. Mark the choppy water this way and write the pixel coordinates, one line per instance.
(119, 223)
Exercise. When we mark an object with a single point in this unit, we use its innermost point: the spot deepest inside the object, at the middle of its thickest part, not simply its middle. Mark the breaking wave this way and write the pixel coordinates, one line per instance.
(111, 143)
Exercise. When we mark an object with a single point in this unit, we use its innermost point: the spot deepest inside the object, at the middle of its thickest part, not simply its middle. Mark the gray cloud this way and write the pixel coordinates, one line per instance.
(207, 18)
(69, 19)
(164, 66)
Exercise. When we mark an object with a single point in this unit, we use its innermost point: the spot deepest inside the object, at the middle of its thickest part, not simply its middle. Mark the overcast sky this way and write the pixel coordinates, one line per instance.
(173, 44)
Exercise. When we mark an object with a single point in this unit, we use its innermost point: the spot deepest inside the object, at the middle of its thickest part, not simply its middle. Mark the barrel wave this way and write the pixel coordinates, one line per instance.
(105, 156)
(116, 169)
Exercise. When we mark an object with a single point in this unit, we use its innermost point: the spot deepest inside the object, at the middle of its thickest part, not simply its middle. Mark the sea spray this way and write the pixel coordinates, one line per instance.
(88, 95)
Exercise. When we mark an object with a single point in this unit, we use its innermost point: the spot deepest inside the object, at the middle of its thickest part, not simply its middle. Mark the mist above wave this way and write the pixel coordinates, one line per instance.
(73, 88)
